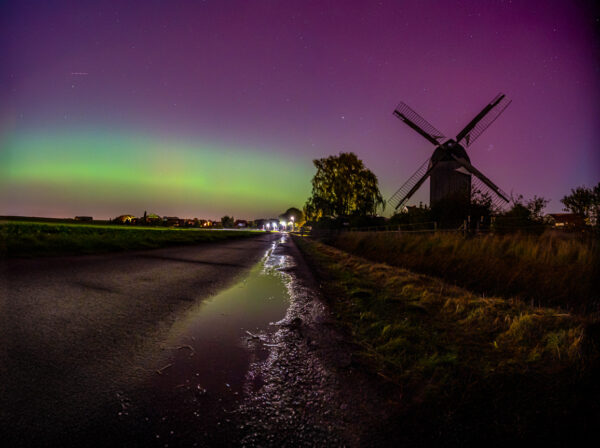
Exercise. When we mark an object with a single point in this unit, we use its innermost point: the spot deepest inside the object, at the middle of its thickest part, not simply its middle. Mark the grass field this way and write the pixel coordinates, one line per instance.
(553, 269)
(471, 369)
(29, 239)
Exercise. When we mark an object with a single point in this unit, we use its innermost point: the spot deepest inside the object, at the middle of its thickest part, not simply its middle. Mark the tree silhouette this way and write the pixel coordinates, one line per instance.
(584, 202)
(227, 221)
(295, 213)
(342, 186)
(524, 215)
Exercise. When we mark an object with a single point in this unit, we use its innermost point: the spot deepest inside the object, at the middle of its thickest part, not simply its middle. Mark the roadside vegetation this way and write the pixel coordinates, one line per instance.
(557, 269)
(468, 369)
(548, 260)
(29, 239)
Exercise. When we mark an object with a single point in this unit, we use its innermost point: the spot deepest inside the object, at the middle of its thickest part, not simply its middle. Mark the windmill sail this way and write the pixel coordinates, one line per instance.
(418, 123)
(483, 119)
(491, 185)
(404, 193)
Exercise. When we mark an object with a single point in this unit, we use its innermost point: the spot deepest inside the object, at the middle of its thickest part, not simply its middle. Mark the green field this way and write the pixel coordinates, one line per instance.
(469, 368)
(32, 239)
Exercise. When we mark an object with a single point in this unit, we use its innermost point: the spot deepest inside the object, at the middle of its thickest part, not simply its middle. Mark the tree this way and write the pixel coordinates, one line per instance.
(342, 186)
(523, 215)
(295, 213)
(481, 208)
(536, 208)
(584, 202)
(531, 210)
(227, 221)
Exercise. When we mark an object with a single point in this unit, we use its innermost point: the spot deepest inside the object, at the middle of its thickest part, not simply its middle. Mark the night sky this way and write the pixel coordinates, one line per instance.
(202, 109)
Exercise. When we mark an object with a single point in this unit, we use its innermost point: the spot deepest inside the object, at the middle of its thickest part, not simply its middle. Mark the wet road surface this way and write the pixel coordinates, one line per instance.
(221, 345)
(75, 331)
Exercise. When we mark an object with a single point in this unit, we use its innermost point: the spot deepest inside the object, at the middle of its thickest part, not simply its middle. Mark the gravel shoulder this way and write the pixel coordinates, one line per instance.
(313, 393)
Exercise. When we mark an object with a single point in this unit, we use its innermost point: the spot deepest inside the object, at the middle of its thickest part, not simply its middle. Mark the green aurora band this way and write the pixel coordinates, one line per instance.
(105, 175)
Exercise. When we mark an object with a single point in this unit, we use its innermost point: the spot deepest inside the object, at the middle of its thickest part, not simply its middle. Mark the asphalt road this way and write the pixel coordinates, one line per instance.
(75, 331)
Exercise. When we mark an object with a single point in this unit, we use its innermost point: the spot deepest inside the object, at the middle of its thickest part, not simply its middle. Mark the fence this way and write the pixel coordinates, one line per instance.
(475, 227)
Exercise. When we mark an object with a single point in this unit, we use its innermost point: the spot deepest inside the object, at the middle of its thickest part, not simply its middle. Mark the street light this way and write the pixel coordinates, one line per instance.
(292, 218)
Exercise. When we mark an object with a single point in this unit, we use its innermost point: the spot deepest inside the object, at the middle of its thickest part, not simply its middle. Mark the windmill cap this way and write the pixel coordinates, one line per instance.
(445, 152)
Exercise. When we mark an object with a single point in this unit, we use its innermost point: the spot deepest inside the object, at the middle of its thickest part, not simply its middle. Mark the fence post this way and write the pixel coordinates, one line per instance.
(435, 226)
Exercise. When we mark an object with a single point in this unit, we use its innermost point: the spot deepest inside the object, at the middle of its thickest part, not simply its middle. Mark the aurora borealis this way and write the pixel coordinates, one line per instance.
(202, 109)
(93, 171)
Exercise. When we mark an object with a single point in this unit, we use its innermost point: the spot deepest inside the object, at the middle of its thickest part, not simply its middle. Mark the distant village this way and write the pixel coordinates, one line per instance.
(285, 221)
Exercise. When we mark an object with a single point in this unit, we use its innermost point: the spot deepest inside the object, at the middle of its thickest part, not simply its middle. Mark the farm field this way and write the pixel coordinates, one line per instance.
(32, 239)
(474, 368)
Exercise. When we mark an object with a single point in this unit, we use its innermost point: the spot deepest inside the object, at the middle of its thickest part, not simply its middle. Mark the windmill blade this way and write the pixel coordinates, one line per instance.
(491, 185)
(414, 182)
(483, 119)
(418, 123)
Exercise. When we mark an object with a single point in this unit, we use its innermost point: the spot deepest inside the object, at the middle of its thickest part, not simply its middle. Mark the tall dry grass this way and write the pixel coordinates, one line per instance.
(470, 369)
(554, 269)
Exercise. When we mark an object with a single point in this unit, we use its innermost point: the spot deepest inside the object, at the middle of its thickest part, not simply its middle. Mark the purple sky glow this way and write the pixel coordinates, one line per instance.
(299, 80)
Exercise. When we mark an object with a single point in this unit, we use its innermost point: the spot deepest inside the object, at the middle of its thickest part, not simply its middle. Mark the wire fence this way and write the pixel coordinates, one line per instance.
(468, 227)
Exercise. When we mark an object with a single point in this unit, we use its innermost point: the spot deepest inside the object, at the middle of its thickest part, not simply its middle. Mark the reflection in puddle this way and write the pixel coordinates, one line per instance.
(207, 356)
(210, 347)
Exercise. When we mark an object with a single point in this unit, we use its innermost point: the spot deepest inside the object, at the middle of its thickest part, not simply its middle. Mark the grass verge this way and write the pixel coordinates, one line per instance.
(471, 370)
(552, 269)
(32, 239)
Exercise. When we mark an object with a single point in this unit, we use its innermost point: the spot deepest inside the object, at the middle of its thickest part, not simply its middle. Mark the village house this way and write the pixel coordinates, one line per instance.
(125, 219)
(566, 220)
(173, 221)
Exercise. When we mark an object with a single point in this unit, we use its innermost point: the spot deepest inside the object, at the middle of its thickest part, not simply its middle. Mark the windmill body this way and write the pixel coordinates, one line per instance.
(449, 169)
(449, 180)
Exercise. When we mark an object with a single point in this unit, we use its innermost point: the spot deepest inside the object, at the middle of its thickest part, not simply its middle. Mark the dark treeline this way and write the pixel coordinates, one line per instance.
(345, 195)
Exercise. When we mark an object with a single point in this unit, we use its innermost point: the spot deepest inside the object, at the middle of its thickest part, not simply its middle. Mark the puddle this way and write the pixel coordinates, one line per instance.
(258, 365)
(210, 347)
(201, 375)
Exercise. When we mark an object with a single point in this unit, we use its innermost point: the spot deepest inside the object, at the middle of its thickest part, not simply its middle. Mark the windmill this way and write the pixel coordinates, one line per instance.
(449, 168)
